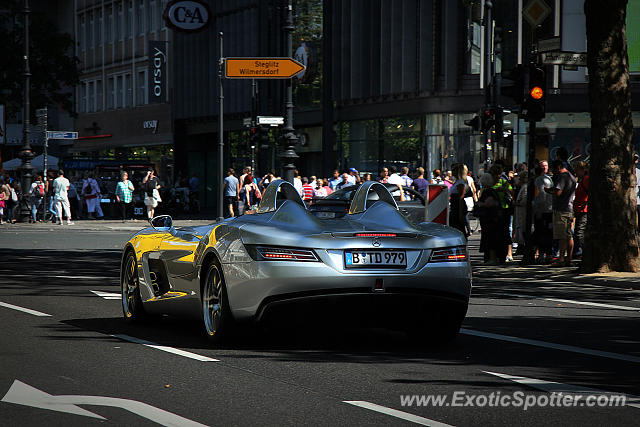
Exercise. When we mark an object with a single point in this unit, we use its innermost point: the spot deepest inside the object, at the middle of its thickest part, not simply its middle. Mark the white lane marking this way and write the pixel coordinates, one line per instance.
(26, 310)
(551, 282)
(165, 348)
(107, 295)
(395, 413)
(563, 347)
(23, 394)
(595, 304)
(555, 387)
(84, 277)
(569, 301)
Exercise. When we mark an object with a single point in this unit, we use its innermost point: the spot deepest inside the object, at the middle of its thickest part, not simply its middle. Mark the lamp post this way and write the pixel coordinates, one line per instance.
(26, 154)
(289, 139)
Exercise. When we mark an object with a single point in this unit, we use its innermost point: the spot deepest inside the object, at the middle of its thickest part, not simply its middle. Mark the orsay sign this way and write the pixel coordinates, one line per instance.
(187, 15)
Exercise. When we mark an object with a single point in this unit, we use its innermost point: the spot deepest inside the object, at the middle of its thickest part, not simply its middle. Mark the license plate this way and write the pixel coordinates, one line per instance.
(358, 259)
(325, 214)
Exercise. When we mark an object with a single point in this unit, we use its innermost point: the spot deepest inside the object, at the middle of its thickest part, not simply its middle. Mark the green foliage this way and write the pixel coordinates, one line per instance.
(54, 68)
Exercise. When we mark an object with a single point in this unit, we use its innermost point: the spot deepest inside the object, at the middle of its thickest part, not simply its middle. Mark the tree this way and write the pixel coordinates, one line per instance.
(54, 68)
(611, 242)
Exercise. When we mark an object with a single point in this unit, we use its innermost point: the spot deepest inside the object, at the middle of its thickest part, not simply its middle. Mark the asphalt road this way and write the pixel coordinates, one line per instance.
(71, 360)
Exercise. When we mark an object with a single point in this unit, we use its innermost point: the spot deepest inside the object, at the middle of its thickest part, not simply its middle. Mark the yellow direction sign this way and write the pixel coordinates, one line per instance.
(261, 68)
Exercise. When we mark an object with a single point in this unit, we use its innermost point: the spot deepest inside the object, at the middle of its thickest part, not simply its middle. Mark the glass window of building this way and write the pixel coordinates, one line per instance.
(91, 97)
(129, 13)
(109, 27)
(111, 93)
(160, 23)
(118, 89)
(152, 15)
(118, 19)
(142, 87)
(307, 48)
(90, 30)
(81, 33)
(474, 37)
(127, 90)
(99, 28)
(99, 105)
(141, 18)
(82, 103)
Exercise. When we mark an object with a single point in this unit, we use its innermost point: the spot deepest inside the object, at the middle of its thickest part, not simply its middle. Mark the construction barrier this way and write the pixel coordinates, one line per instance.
(436, 207)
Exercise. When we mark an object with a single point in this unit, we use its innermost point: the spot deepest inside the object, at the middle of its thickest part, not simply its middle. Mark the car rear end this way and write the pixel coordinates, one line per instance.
(381, 277)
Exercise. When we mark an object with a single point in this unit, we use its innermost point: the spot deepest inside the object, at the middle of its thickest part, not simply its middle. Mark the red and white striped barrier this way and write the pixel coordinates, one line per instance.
(436, 207)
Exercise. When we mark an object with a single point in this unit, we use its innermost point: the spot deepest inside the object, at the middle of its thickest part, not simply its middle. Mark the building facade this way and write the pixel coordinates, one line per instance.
(120, 118)
(387, 83)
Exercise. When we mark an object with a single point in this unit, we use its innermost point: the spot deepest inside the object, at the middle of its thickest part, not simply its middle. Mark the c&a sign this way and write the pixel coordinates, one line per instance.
(157, 72)
(187, 15)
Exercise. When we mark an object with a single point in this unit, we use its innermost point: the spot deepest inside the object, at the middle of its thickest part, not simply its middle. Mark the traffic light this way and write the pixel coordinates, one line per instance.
(536, 97)
(488, 118)
(254, 136)
(485, 119)
(517, 90)
(498, 116)
(263, 137)
(475, 123)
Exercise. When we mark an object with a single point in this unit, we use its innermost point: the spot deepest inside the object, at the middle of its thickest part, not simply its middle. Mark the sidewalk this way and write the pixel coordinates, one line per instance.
(515, 272)
(99, 225)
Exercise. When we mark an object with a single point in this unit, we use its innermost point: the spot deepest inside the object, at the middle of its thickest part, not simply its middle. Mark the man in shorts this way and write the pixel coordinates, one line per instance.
(231, 193)
(563, 192)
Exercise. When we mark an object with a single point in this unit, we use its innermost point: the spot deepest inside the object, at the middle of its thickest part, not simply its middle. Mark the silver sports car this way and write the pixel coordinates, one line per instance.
(285, 264)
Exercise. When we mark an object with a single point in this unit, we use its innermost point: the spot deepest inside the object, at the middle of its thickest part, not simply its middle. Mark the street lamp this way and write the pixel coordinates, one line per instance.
(26, 154)
(289, 139)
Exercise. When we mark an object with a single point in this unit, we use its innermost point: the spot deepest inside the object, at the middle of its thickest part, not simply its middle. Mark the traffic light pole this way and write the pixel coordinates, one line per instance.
(489, 73)
(221, 134)
(529, 254)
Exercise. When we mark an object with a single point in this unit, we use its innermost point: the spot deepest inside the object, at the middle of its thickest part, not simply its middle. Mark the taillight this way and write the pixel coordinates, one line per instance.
(375, 234)
(458, 253)
(287, 254)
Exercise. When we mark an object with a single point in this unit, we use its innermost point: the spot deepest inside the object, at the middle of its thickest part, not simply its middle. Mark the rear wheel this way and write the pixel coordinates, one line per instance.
(130, 286)
(216, 314)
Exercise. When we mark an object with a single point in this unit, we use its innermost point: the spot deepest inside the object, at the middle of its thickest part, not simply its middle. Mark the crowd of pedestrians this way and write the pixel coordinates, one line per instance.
(559, 214)
(60, 198)
(243, 193)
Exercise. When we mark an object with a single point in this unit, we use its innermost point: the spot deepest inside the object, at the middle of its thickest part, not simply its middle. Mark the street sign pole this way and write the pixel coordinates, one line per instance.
(45, 207)
(254, 113)
(220, 133)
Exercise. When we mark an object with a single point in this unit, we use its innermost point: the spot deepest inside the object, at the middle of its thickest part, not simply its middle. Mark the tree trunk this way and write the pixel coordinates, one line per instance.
(611, 242)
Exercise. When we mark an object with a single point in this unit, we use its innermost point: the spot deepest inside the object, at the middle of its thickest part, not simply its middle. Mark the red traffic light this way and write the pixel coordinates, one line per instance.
(536, 92)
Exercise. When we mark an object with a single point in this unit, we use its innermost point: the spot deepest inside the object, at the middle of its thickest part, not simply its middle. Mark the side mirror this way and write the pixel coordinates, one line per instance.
(162, 223)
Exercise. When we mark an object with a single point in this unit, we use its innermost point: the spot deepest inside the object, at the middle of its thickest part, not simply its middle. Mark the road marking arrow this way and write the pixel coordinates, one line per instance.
(23, 394)
(555, 387)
